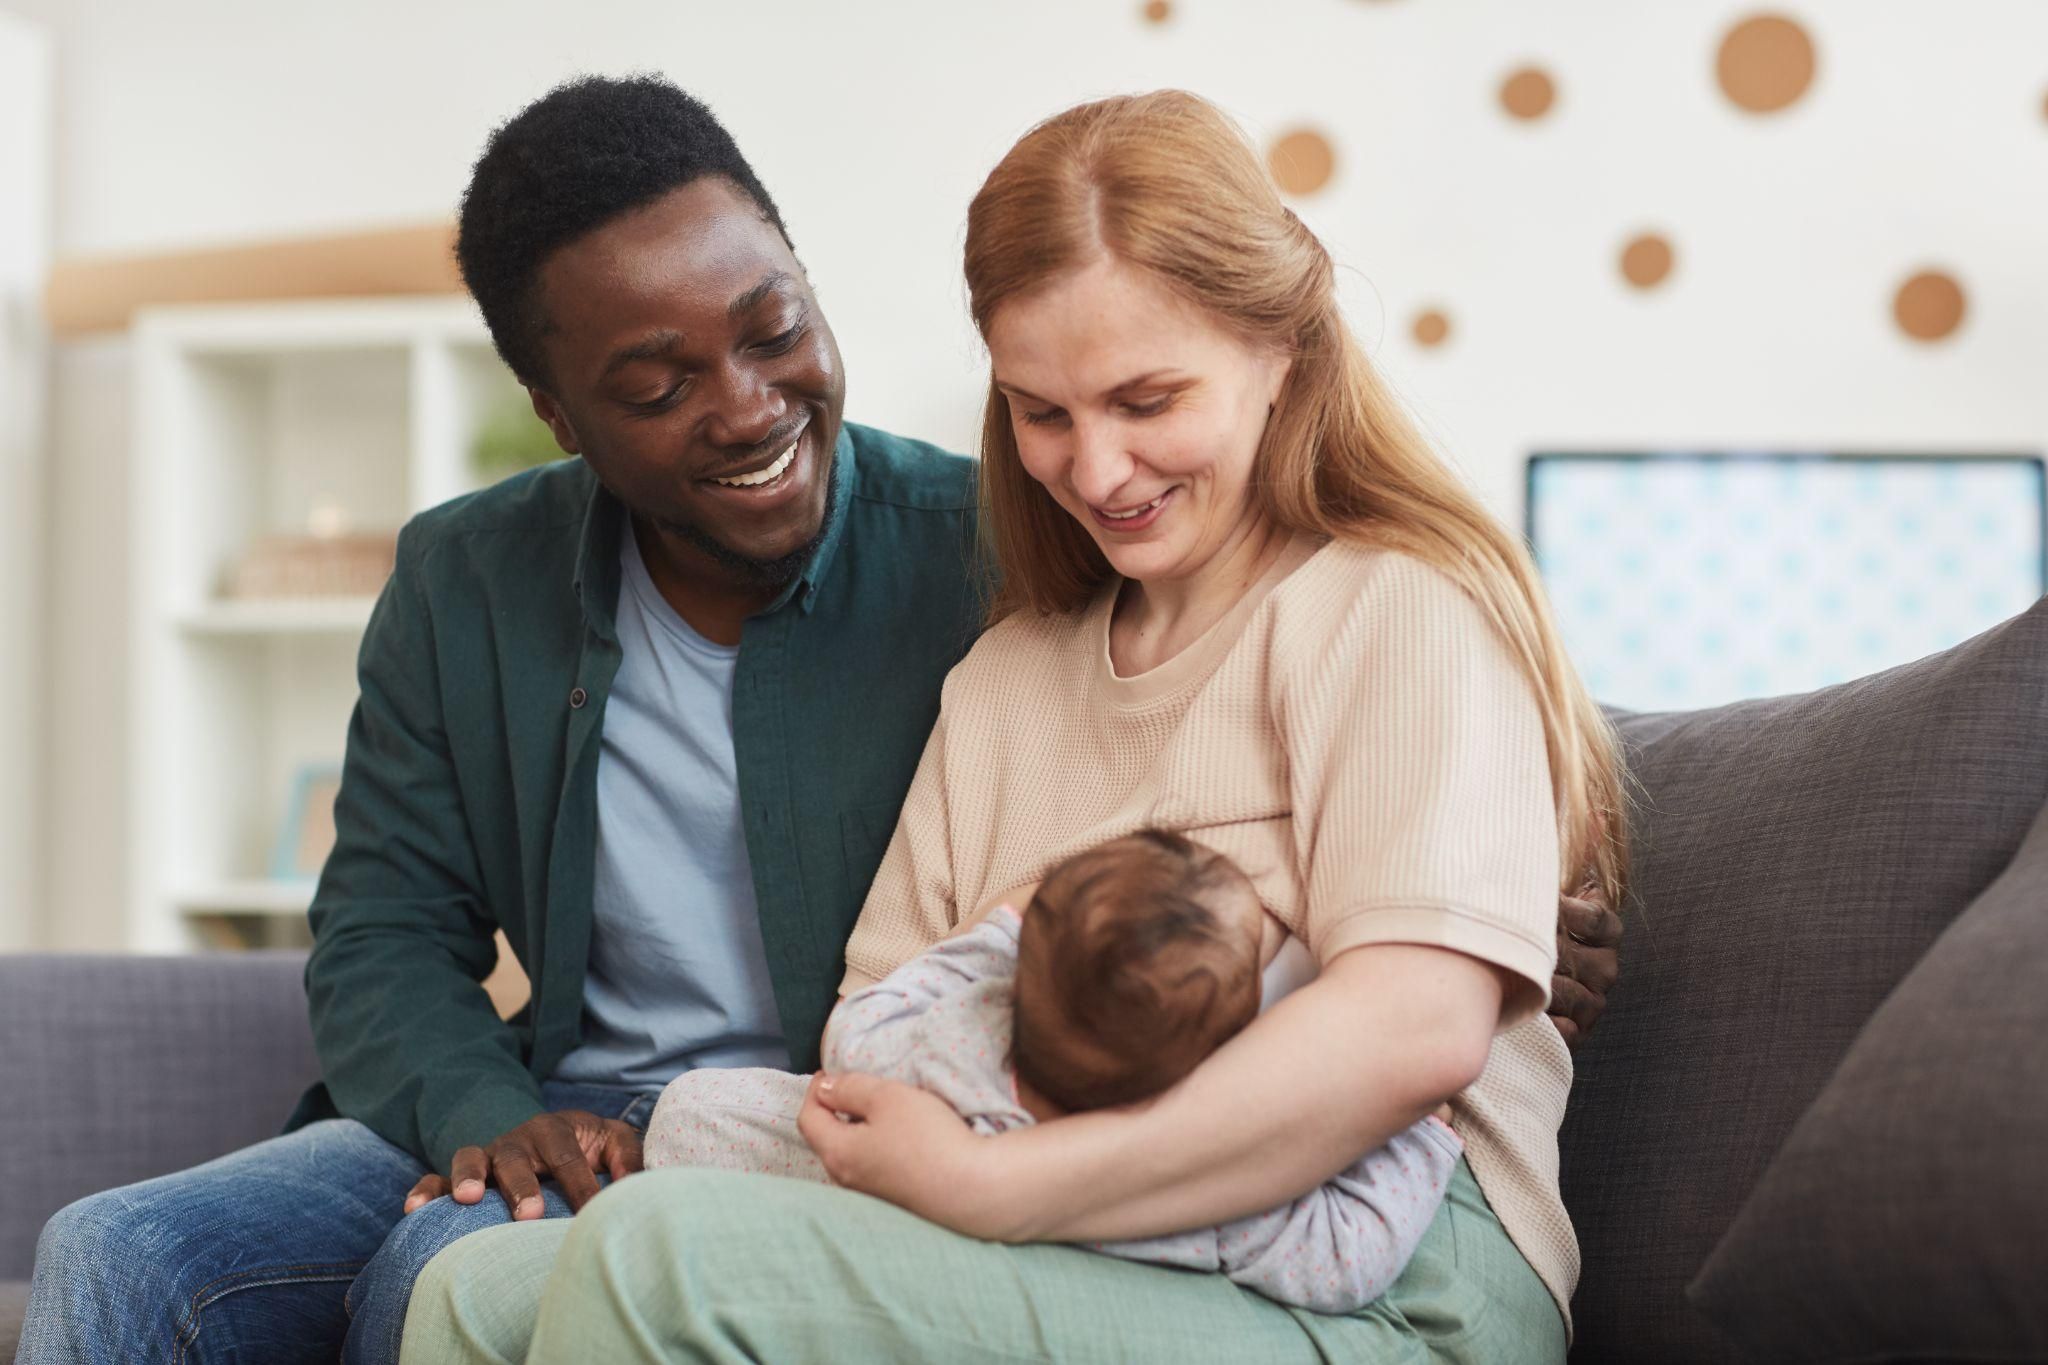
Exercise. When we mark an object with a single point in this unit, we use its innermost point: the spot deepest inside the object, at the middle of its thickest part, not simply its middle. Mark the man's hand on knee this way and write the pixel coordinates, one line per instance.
(568, 1147)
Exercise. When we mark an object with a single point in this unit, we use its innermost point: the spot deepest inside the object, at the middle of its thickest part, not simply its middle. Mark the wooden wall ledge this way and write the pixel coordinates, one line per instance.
(101, 293)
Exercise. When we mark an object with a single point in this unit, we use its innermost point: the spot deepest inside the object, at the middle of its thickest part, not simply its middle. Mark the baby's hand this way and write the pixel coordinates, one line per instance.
(1018, 898)
(1443, 1111)
(1272, 934)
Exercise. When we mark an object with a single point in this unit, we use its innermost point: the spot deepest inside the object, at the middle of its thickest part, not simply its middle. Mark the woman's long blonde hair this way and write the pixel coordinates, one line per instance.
(1167, 183)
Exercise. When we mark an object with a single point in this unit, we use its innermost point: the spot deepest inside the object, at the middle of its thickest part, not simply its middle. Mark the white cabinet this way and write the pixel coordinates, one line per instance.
(24, 252)
(257, 421)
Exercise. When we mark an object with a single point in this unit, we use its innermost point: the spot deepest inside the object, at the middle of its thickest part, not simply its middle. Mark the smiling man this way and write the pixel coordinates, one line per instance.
(651, 711)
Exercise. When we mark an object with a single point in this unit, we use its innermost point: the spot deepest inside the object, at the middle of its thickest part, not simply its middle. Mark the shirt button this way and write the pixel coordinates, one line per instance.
(577, 698)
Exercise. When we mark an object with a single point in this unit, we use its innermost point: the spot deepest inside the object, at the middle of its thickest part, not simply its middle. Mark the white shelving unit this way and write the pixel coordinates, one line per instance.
(25, 141)
(248, 419)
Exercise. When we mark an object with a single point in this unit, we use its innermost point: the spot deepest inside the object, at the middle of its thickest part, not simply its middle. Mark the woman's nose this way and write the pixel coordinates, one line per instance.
(744, 407)
(1101, 464)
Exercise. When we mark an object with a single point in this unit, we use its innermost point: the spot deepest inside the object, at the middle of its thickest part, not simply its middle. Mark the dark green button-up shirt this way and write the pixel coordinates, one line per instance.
(469, 795)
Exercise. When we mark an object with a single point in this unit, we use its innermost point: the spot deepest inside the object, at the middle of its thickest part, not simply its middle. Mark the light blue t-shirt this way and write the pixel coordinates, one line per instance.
(677, 976)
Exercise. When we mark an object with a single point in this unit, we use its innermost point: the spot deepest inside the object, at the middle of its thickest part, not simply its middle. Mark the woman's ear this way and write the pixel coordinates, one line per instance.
(1280, 366)
(548, 410)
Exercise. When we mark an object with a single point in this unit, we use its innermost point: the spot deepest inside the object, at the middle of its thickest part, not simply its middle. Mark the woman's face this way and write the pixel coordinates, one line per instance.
(1139, 414)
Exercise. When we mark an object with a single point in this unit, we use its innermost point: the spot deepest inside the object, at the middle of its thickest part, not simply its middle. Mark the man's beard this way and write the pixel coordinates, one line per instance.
(778, 572)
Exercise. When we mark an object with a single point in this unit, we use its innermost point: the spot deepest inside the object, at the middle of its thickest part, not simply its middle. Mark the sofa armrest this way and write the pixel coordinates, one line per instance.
(116, 1069)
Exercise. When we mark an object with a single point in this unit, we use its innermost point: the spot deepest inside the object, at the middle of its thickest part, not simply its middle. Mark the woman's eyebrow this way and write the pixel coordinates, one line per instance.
(1140, 381)
(1136, 382)
(1011, 389)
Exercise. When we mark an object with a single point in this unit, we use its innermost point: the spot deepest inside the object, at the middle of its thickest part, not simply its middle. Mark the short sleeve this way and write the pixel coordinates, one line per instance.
(911, 904)
(1420, 779)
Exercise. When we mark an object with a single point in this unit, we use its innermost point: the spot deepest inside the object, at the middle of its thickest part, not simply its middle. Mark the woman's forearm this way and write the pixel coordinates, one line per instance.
(1382, 1037)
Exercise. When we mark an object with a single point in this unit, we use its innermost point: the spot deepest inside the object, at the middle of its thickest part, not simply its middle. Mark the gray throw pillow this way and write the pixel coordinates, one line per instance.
(1904, 1218)
(1795, 857)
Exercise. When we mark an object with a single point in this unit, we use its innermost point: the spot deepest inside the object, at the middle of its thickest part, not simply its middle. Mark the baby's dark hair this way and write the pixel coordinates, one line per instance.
(1137, 959)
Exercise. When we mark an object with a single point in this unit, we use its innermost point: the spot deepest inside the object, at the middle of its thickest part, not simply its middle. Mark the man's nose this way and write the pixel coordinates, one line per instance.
(1101, 465)
(744, 407)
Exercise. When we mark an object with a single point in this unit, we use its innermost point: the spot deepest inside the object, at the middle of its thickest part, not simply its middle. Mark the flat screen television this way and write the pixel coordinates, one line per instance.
(1685, 579)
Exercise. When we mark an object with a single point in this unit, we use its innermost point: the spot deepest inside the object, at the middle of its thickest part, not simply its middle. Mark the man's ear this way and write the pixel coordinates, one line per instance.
(548, 410)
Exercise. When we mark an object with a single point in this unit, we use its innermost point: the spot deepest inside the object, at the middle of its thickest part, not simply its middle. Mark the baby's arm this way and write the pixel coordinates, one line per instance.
(1344, 1243)
(1338, 1247)
(877, 1030)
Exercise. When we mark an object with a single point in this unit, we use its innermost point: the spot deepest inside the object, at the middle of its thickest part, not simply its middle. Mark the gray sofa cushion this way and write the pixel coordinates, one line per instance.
(1903, 1219)
(1796, 856)
(13, 1299)
(116, 1069)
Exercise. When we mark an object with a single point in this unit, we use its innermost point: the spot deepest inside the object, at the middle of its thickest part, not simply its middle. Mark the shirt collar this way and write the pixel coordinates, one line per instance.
(597, 559)
(805, 589)
(604, 524)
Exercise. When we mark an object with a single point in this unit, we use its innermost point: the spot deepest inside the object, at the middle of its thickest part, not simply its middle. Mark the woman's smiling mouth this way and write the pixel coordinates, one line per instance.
(1135, 518)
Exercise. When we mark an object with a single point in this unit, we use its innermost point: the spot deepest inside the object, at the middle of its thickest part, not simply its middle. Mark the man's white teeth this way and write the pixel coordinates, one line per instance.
(761, 476)
(1135, 511)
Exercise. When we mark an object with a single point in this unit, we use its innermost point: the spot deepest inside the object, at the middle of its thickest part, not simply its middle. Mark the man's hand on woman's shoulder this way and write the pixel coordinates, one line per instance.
(1588, 963)
(569, 1147)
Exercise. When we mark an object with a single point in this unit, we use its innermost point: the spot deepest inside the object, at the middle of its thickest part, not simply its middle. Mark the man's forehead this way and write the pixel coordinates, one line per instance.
(686, 262)
(713, 245)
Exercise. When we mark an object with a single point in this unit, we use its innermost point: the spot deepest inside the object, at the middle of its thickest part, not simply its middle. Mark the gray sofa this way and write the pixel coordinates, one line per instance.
(116, 1069)
(1813, 1126)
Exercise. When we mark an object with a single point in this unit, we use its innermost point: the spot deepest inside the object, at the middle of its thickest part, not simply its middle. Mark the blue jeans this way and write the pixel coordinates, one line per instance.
(292, 1250)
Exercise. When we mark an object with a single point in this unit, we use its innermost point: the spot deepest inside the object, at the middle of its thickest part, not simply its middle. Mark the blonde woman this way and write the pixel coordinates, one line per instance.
(1240, 599)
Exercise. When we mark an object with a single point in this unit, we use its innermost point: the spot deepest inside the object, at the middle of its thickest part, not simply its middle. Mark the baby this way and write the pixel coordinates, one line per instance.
(1133, 961)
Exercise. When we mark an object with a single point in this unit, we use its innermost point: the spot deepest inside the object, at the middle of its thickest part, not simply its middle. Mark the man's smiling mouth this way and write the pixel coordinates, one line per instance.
(769, 472)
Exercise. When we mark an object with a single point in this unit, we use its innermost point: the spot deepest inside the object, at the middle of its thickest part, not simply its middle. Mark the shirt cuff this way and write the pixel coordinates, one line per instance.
(1437, 925)
(480, 1117)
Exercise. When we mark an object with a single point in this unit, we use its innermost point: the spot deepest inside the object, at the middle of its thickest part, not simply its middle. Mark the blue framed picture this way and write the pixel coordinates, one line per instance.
(1688, 579)
(307, 835)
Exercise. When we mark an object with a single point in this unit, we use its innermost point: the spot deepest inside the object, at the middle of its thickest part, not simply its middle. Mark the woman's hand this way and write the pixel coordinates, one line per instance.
(1277, 1111)
(901, 1144)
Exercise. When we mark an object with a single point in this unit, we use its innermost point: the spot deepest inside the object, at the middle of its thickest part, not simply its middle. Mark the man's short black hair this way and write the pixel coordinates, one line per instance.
(573, 160)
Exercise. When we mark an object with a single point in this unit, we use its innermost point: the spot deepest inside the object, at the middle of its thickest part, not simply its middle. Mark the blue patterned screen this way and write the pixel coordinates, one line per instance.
(1686, 580)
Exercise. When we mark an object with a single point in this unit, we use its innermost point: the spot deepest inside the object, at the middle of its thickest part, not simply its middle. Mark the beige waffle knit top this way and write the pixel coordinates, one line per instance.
(1354, 734)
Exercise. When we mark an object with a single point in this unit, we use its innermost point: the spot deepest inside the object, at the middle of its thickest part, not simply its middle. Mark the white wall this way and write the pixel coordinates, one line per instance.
(1922, 141)
(24, 256)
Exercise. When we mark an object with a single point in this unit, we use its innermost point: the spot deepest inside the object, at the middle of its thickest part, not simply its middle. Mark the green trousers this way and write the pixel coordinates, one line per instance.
(701, 1265)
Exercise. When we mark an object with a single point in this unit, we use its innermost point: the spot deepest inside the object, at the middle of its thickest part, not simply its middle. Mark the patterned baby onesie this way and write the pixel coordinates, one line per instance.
(941, 1022)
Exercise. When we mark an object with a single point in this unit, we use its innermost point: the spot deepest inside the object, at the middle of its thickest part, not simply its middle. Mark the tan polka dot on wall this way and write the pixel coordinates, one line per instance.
(1431, 328)
(1528, 93)
(1765, 64)
(1929, 306)
(1647, 260)
(1302, 161)
(1157, 11)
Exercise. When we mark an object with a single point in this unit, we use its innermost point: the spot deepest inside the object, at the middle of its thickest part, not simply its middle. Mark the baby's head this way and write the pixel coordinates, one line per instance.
(1138, 958)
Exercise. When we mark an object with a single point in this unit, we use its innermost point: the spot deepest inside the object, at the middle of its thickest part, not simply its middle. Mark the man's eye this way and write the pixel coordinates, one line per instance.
(783, 343)
(661, 402)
